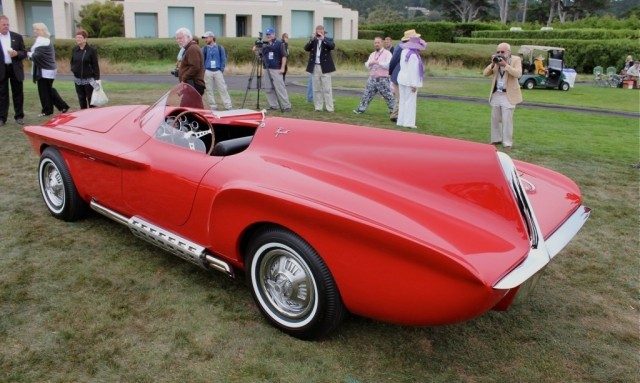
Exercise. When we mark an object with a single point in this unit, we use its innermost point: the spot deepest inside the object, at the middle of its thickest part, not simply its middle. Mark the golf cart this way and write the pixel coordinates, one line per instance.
(554, 75)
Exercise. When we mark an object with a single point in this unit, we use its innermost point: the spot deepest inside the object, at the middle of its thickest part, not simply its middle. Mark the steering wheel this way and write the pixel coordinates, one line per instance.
(192, 129)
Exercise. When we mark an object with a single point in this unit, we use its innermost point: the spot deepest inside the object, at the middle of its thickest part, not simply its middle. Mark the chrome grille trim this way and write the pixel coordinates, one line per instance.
(541, 251)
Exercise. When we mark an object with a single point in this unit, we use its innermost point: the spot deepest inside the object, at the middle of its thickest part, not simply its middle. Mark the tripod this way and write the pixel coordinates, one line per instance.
(256, 70)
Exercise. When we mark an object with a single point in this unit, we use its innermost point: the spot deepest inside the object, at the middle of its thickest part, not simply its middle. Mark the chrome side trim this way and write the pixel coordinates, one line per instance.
(109, 213)
(542, 251)
(166, 240)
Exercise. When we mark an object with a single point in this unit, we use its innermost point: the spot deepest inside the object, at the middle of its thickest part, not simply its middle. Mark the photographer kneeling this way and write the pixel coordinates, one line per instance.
(505, 94)
(274, 58)
(191, 70)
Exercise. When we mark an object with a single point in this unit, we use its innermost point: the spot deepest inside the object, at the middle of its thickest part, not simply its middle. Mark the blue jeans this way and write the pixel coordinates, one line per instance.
(310, 88)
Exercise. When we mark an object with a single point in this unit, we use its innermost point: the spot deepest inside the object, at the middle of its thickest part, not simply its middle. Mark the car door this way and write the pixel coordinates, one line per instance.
(163, 190)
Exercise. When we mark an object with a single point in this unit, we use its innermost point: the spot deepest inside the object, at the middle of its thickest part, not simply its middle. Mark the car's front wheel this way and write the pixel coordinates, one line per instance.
(292, 286)
(57, 187)
(530, 84)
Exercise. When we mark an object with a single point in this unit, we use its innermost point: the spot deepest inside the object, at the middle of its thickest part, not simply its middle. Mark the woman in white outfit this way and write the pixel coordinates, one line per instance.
(409, 80)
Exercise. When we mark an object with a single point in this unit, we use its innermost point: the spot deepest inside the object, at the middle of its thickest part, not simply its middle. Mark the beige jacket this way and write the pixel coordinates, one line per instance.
(513, 71)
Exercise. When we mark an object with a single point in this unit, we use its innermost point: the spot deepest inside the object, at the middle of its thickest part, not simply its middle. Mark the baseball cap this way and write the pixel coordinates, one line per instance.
(269, 31)
(208, 34)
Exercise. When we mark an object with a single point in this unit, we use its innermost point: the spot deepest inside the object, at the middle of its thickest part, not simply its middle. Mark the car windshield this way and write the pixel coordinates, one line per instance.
(181, 95)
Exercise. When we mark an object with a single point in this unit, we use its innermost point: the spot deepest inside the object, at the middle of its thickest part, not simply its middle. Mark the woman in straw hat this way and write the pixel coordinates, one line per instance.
(409, 80)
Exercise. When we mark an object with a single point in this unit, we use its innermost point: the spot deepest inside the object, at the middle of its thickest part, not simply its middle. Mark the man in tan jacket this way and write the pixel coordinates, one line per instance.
(505, 93)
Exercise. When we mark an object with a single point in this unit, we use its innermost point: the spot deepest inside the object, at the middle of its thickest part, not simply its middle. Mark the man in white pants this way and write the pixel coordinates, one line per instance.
(505, 94)
(215, 59)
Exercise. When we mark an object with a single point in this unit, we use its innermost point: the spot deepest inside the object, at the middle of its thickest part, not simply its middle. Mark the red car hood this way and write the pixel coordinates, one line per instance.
(97, 120)
(449, 195)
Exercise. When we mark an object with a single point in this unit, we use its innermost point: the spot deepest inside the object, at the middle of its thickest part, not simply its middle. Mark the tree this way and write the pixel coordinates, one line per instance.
(467, 10)
(384, 14)
(503, 8)
(102, 19)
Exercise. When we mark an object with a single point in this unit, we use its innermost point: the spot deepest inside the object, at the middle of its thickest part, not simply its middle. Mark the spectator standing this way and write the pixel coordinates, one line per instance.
(274, 57)
(409, 80)
(85, 68)
(215, 60)
(12, 72)
(321, 66)
(191, 70)
(394, 69)
(388, 44)
(378, 81)
(44, 70)
(505, 94)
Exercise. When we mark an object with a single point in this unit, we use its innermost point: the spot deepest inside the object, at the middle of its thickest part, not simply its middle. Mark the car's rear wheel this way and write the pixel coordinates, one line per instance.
(564, 86)
(292, 286)
(530, 84)
(57, 187)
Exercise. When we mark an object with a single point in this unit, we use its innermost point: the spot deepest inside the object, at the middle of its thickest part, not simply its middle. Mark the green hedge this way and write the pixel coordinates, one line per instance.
(578, 34)
(369, 34)
(582, 55)
(441, 31)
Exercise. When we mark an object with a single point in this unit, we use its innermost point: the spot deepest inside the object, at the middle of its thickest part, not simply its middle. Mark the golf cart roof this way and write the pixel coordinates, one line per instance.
(530, 48)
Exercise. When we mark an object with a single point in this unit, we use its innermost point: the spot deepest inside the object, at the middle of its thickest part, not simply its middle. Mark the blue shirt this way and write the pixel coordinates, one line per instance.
(215, 57)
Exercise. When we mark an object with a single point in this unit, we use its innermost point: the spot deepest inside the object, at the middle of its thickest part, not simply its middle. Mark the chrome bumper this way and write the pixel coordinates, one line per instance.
(542, 250)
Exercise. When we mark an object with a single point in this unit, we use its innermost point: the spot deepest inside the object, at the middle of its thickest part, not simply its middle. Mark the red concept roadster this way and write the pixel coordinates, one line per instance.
(324, 219)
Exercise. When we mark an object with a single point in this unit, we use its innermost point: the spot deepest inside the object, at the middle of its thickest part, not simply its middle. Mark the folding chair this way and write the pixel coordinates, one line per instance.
(598, 77)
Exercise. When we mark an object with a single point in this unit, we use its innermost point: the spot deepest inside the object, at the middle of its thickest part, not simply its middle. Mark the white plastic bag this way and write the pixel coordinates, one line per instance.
(99, 97)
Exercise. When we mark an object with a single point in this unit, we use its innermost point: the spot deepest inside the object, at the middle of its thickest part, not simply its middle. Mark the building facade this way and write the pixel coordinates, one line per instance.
(161, 18)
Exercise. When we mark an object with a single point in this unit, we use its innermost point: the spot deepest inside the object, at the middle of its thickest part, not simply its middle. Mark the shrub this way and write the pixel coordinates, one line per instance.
(440, 31)
(102, 19)
(578, 34)
(368, 34)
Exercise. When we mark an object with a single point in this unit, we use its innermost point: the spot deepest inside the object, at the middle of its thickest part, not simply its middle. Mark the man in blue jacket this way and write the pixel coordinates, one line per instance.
(321, 66)
(215, 59)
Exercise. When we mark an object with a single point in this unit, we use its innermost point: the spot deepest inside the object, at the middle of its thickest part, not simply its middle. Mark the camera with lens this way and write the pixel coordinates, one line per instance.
(497, 58)
(259, 43)
(174, 72)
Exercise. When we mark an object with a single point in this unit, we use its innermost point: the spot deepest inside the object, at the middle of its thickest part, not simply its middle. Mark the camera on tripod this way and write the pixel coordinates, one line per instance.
(259, 43)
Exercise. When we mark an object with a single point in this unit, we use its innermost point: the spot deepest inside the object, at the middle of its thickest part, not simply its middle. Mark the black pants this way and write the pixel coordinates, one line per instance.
(49, 97)
(84, 95)
(16, 92)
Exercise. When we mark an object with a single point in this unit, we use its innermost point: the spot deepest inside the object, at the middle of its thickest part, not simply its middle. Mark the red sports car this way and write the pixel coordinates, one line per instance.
(323, 218)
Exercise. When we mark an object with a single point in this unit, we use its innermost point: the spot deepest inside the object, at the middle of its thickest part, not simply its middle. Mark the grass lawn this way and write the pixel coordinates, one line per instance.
(87, 301)
(584, 95)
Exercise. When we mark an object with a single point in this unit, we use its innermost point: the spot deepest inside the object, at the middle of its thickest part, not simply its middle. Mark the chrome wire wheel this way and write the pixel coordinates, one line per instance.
(287, 282)
(52, 185)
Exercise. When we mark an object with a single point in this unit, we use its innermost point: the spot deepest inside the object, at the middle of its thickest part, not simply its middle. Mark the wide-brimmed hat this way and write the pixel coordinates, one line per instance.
(415, 42)
(409, 34)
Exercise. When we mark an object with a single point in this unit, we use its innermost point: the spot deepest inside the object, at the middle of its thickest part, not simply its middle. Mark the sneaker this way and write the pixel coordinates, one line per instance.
(394, 119)
(65, 110)
(356, 111)
(287, 110)
(19, 121)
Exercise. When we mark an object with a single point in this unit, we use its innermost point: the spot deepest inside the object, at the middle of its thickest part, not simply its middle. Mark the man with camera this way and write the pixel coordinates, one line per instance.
(505, 94)
(274, 58)
(321, 66)
(191, 70)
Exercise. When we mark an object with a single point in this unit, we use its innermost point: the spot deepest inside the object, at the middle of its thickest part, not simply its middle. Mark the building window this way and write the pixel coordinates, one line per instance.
(301, 24)
(180, 17)
(243, 25)
(269, 22)
(38, 12)
(329, 24)
(215, 24)
(146, 24)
